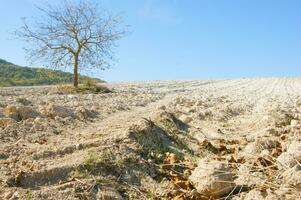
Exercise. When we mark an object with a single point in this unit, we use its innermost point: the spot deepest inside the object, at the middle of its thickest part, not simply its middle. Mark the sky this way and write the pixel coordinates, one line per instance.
(186, 39)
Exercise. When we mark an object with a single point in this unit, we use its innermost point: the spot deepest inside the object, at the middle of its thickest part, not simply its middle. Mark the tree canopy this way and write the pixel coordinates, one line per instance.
(75, 33)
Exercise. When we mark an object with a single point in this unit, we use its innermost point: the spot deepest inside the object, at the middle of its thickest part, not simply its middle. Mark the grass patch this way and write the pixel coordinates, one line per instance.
(155, 142)
(98, 163)
(28, 195)
(171, 128)
(89, 86)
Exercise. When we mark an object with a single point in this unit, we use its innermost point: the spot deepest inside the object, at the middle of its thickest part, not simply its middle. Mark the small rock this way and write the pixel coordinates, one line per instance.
(292, 176)
(212, 178)
(27, 112)
(186, 119)
(83, 113)
(59, 119)
(108, 193)
(6, 121)
(24, 101)
(59, 111)
(258, 146)
(21, 112)
(70, 96)
(15, 196)
(289, 158)
(143, 127)
(78, 146)
(294, 123)
(8, 195)
(38, 120)
(12, 112)
(254, 195)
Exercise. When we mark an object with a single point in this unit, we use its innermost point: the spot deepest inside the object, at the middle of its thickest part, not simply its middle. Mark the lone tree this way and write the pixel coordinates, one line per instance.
(73, 34)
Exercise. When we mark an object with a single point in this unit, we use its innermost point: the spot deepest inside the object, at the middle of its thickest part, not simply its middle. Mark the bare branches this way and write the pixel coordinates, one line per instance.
(72, 31)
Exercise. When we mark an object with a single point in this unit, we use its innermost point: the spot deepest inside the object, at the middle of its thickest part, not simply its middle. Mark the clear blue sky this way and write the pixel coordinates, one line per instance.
(189, 39)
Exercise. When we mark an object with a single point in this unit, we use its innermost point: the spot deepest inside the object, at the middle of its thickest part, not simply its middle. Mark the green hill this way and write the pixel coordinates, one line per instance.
(14, 75)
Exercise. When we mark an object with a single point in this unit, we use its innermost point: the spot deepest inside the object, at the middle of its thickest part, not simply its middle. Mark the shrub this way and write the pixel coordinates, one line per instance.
(90, 86)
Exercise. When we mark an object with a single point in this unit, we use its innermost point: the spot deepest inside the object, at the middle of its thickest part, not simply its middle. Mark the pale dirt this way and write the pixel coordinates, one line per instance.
(38, 164)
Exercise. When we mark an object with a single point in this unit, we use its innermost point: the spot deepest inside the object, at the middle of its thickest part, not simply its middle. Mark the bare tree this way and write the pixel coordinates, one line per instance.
(73, 34)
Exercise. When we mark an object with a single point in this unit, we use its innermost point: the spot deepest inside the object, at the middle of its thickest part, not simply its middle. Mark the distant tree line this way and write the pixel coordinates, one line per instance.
(13, 75)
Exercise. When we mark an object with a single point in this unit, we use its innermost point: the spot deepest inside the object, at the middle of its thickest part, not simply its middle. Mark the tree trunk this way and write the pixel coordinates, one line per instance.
(75, 73)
